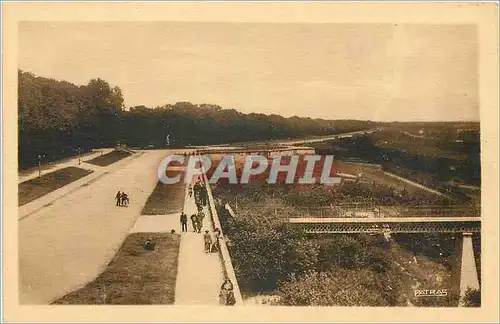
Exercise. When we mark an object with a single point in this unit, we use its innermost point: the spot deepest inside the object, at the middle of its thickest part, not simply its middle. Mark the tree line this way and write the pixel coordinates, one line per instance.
(57, 119)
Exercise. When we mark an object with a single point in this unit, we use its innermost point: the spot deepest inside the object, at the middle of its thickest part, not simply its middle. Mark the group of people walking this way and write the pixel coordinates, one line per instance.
(122, 199)
(200, 194)
(196, 221)
(210, 239)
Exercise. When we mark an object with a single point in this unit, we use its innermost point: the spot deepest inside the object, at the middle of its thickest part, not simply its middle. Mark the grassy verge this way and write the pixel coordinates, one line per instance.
(38, 187)
(109, 158)
(135, 276)
(165, 199)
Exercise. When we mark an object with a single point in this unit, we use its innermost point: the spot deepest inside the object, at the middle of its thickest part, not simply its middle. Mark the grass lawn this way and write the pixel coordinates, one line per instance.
(109, 158)
(165, 199)
(135, 276)
(38, 187)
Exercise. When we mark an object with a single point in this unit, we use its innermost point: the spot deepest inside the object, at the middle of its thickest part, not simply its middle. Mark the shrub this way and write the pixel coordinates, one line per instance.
(472, 298)
(267, 251)
(351, 252)
(341, 287)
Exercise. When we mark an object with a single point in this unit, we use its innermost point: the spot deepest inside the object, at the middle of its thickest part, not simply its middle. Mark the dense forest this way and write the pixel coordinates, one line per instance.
(58, 118)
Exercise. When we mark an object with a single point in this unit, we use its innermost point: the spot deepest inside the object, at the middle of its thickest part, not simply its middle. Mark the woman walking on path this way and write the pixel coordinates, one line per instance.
(194, 220)
(215, 240)
(226, 296)
(208, 241)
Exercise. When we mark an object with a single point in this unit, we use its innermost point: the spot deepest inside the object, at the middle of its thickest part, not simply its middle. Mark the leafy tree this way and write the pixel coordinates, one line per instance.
(265, 251)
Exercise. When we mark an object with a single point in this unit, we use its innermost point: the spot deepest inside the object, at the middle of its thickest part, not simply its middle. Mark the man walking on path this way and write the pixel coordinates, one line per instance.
(197, 192)
(200, 217)
(184, 221)
(118, 198)
(203, 195)
(194, 220)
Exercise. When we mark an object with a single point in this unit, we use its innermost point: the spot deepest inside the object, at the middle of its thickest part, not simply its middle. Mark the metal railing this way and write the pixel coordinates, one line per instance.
(377, 211)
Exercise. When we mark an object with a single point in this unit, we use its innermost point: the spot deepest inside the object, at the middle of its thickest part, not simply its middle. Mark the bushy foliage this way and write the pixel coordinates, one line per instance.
(341, 287)
(268, 255)
(265, 251)
(317, 195)
(353, 252)
(437, 246)
(472, 298)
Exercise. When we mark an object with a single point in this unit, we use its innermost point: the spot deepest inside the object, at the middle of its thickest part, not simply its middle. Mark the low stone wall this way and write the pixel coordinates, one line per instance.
(225, 258)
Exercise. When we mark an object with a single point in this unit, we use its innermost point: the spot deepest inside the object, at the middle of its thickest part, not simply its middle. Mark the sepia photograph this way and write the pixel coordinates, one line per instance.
(271, 164)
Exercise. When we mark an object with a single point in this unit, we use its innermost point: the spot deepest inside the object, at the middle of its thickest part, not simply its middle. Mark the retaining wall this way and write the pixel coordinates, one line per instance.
(227, 265)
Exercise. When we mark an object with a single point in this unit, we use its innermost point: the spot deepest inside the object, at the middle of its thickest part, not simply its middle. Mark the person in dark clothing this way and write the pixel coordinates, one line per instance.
(203, 195)
(207, 239)
(125, 199)
(194, 220)
(184, 221)
(149, 245)
(199, 217)
(231, 301)
(118, 198)
(197, 192)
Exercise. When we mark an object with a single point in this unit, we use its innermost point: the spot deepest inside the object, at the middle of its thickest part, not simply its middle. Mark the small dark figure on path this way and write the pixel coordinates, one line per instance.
(190, 191)
(118, 198)
(194, 220)
(149, 245)
(184, 221)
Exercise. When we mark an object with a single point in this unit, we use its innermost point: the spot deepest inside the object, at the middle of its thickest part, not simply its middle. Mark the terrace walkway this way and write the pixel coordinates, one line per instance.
(25, 175)
(199, 276)
(67, 244)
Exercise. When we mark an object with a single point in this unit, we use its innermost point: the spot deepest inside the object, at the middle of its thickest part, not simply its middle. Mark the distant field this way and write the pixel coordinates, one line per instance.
(135, 276)
(165, 199)
(374, 173)
(38, 187)
(109, 158)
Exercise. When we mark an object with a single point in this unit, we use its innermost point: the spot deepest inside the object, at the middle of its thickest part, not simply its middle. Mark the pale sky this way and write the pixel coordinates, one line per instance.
(379, 72)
